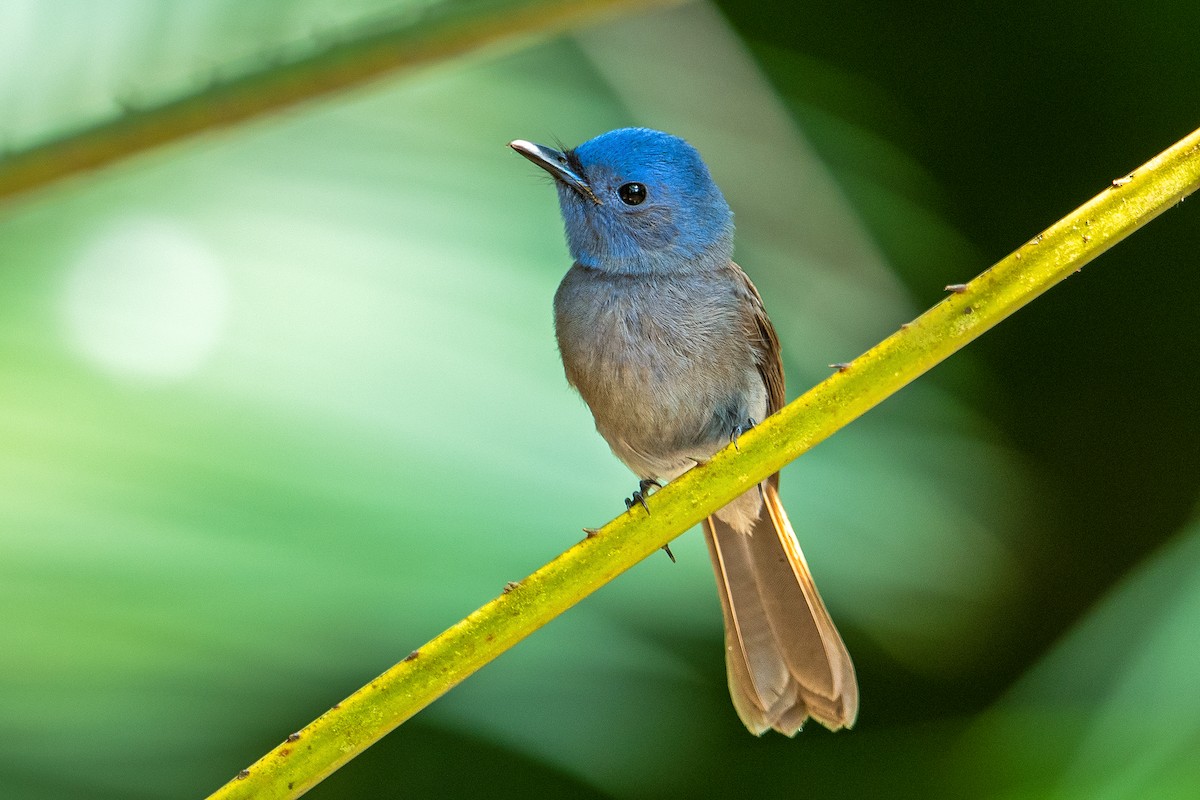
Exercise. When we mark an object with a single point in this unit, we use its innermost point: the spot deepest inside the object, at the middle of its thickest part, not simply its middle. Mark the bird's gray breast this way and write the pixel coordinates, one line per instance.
(663, 362)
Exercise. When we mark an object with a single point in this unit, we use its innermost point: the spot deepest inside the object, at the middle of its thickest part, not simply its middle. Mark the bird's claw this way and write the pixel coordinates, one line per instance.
(736, 433)
(639, 497)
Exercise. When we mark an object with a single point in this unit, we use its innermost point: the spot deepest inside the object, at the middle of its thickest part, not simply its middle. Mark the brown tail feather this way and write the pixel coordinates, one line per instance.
(785, 659)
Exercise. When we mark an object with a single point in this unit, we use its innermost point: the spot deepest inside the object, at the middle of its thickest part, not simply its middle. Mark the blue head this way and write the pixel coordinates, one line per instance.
(638, 201)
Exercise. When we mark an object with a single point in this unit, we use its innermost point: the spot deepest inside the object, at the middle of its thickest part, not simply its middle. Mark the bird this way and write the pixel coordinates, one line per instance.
(667, 341)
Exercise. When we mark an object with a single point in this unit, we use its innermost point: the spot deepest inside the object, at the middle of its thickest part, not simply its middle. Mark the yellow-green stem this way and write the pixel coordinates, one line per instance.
(361, 719)
(441, 31)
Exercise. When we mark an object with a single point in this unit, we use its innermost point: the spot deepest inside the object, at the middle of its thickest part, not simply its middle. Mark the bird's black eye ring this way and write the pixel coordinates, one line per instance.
(632, 194)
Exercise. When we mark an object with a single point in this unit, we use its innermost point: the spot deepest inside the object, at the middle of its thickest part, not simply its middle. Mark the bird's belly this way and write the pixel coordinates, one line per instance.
(665, 395)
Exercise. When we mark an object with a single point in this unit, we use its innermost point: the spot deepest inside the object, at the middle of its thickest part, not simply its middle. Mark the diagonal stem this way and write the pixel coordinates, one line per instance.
(1062, 249)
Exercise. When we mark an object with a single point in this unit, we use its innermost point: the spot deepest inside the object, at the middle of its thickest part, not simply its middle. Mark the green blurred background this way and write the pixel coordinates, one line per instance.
(280, 403)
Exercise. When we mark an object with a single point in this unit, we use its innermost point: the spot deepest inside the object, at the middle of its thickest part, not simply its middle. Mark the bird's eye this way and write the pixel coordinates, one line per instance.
(632, 194)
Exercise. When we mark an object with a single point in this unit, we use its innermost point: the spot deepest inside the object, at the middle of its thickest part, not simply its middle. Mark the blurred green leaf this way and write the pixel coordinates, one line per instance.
(1112, 712)
(282, 69)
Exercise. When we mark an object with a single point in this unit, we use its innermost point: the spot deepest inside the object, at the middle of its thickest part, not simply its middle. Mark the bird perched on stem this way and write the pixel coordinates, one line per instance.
(667, 341)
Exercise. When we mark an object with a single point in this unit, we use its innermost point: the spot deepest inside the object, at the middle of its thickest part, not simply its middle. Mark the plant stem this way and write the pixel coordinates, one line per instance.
(354, 724)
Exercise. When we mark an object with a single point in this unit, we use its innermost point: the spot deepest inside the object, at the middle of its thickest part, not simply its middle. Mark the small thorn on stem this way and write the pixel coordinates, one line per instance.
(508, 587)
(840, 366)
(591, 532)
(957, 288)
(666, 548)
(1119, 182)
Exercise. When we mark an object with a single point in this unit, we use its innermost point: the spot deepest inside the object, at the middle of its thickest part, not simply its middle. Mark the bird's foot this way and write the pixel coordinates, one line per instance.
(639, 497)
(645, 484)
(736, 433)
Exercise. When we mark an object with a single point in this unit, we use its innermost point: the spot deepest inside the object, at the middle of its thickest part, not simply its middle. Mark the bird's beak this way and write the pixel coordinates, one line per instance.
(554, 162)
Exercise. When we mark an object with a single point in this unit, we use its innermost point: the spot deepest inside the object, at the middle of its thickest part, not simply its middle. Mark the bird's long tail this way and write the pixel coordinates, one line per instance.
(785, 659)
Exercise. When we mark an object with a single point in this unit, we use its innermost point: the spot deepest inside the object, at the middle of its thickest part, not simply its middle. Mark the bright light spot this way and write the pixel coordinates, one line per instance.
(146, 299)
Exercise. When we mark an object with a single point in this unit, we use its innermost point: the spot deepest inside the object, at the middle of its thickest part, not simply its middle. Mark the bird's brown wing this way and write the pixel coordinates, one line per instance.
(761, 334)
